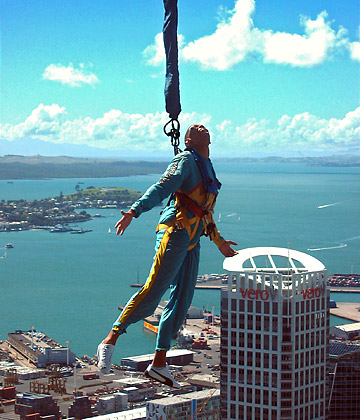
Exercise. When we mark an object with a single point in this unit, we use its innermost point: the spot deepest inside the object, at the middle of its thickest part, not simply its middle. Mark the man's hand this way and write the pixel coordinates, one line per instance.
(124, 222)
(226, 249)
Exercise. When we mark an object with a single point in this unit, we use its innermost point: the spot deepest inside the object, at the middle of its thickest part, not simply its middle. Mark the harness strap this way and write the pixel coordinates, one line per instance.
(180, 222)
(190, 204)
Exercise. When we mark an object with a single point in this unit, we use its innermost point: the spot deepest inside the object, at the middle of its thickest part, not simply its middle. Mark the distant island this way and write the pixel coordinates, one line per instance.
(56, 212)
(327, 161)
(43, 167)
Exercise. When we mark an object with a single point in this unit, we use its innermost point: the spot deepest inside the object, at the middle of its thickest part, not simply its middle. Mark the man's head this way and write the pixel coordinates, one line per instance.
(198, 137)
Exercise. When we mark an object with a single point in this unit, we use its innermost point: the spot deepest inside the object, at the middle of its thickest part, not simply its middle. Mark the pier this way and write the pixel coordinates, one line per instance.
(347, 310)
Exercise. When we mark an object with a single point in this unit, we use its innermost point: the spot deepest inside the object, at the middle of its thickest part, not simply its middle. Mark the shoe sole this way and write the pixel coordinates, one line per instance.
(161, 378)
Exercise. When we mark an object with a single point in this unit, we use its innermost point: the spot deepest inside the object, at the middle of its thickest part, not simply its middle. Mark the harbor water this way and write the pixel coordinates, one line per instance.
(70, 286)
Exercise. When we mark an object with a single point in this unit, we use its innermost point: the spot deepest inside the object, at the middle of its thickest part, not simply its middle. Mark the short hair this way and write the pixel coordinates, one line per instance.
(187, 133)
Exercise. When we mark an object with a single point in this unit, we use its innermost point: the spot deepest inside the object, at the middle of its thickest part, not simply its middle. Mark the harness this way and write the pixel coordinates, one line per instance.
(183, 203)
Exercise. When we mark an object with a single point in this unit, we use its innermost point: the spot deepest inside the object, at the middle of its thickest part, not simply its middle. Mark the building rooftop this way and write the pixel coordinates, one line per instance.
(137, 413)
(272, 260)
(337, 348)
(196, 395)
(150, 356)
(355, 326)
(131, 381)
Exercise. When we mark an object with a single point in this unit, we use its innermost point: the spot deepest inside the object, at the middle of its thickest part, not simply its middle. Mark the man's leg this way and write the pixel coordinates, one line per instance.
(173, 316)
(171, 250)
(182, 292)
(112, 337)
(171, 247)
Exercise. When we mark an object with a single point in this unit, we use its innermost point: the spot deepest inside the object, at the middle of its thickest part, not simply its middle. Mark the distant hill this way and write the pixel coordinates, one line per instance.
(92, 195)
(40, 167)
(336, 160)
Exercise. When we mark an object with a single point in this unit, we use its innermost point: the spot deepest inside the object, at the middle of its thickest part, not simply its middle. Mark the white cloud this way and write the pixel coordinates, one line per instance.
(45, 120)
(355, 50)
(302, 131)
(233, 39)
(236, 38)
(69, 75)
(116, 130)
(312, 48)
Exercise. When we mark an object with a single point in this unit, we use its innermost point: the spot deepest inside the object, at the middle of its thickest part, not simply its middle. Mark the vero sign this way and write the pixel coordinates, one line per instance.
(254, 294)
(311, 293)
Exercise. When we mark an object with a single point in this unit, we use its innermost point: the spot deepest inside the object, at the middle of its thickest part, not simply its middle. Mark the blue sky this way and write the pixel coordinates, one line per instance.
(265, 77)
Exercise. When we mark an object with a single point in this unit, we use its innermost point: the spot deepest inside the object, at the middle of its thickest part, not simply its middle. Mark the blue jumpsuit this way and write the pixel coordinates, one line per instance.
(176, 259)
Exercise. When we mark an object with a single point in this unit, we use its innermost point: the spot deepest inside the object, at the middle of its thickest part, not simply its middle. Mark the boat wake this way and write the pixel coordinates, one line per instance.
(328, 205)
(354, 238)
(328, 247)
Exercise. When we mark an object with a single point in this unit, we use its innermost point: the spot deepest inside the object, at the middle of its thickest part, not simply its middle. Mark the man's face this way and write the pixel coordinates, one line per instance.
(198, 137)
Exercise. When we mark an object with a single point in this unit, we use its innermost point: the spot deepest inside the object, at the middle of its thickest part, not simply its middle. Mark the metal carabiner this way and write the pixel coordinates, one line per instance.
(174, 133)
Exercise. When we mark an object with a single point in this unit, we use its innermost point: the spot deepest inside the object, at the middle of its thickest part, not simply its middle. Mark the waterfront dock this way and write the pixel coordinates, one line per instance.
(347, 310)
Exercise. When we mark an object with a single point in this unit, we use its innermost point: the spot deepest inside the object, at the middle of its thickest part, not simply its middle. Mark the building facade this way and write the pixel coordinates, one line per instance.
(198, 405)
(274, 336)
(39, 352)
(343, 381)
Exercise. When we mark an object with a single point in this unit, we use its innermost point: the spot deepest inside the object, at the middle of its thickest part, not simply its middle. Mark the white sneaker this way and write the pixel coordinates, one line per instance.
(104, 356)
(162, 375)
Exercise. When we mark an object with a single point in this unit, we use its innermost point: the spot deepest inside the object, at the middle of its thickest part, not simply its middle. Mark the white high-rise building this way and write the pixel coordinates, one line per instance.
(274, 337)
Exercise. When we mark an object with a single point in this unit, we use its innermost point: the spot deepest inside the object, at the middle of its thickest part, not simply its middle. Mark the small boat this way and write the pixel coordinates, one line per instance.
(61, 228)
(80, 231)
(9, 245)
(109, 231)
(4, 256)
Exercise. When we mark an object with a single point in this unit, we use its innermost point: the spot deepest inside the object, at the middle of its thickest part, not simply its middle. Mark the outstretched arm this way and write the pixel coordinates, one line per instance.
(124, 222)
(213, 233)
(226, 249)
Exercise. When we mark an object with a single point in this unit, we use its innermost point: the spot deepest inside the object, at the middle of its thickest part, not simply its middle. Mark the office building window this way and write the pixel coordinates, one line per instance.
(275, 324)
(241, 305)
(250, 322)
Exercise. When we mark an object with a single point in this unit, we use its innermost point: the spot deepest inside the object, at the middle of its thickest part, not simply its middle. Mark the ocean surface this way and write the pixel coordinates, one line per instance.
(70, 286)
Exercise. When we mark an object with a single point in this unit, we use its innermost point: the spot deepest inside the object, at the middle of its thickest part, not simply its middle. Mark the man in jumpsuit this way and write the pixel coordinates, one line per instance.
(190, 180)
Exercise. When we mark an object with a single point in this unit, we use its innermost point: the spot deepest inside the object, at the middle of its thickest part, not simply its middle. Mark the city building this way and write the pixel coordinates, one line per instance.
(112, 403)
(343, 381)
(80, 408)
(199, 405)
(347, 331)
(135, 414)
(137, 389)
(274, 336)
(173, 357)
(40, 349)
(29, 403)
